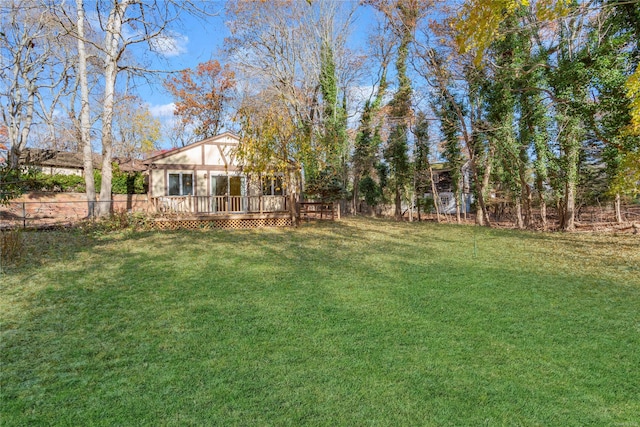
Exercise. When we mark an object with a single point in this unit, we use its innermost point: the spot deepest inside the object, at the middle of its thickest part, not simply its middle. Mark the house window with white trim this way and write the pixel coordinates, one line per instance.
(181, 184)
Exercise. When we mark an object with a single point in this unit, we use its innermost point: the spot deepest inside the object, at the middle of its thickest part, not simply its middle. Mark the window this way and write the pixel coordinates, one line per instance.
(228, 185)
(180, 184)
(272, 186)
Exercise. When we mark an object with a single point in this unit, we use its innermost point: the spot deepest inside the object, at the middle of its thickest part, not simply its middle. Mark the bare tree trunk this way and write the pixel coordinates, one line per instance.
(293, 199)
(112, 47)
(482, 216)
(457, 196)
(617, 207)
(356, 182)
(479, 215)
(85, 136)
(434, 191)
(526, 203)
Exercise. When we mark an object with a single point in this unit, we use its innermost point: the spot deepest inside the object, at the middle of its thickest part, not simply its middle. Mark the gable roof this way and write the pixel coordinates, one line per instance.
(212, 139)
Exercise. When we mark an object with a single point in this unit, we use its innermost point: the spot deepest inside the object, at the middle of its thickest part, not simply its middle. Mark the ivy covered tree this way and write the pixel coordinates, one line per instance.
(421, 165)
(403, 16)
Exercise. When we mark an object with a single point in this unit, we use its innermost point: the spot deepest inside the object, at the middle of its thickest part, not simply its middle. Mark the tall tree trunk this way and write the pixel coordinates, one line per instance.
(293, 196)
(543, 204)
(481, 191)
(618, 209)
(398, 203)
(525, 195)
(456, 194)
(519, 220)
(19, 136)
(571, 149)
(85, 125)
(569, 215)
(112, 47)
(356, 183)
(436, 196)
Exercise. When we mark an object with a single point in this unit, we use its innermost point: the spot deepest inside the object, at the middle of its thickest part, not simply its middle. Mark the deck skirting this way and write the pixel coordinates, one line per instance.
(231, 221)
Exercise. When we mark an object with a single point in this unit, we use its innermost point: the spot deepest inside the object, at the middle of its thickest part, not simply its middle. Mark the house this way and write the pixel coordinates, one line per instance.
(54, 162)
(205, 178)
(443, 182)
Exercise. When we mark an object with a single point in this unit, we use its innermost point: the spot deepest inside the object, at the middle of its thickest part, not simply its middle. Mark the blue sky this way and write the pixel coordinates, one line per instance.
(196, 41)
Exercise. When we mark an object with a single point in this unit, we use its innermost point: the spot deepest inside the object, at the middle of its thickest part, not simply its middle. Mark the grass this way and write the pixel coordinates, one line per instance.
(360, 322)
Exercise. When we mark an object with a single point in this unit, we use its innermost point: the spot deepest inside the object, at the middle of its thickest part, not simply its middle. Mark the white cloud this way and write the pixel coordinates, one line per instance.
(172, 44)
(165, 110)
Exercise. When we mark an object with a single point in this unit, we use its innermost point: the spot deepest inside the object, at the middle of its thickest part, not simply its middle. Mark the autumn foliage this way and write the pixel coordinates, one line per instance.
(201, 96)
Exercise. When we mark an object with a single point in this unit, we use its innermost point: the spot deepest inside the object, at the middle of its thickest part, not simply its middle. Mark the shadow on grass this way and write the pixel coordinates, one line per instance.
(327, 324)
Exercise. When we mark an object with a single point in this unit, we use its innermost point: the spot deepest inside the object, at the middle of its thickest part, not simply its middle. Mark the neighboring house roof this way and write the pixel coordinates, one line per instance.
(56, 159)
(130, 165)
(166, 153)
(71, 160)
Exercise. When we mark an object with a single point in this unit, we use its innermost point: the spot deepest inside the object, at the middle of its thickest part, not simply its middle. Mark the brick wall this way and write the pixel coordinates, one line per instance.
(34, 209)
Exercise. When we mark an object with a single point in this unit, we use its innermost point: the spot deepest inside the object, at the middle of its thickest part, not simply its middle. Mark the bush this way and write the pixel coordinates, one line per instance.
(11, 247)
(371, 191)
(118, 220)
(121, 182)
(13, 183)
(326, 186)
(127, 182)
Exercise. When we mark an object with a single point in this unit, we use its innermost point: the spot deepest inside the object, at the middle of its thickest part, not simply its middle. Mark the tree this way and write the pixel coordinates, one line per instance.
(146, 23)
(296, 51)
(403, 17)
(137, 131)
(84, 122)
(201, 96)
(29, 43)
(450, 129)
(422, 173)
(478, 22)
(368, 137)
(271, 141)
(508, 56)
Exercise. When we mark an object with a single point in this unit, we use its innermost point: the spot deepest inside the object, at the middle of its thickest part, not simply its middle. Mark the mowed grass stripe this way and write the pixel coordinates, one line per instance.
(360, 322)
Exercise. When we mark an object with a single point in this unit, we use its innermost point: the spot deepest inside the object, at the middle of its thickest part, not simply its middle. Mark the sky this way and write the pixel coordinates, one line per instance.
(196, 41)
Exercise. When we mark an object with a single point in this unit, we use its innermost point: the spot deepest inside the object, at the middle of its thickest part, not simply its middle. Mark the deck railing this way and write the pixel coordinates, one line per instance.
(220, 204)
(319, 210)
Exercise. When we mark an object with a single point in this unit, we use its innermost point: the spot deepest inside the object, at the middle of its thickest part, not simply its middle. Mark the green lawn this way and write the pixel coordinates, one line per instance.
(358, 322)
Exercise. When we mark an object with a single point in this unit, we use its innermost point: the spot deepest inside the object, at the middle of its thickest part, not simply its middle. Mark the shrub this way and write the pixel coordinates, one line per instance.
(371, 191)
(13, 183)
(121, 182)
(118, 220)
(127, 182)
(11, 247)
(39, 181)
(326, 186)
